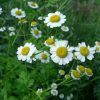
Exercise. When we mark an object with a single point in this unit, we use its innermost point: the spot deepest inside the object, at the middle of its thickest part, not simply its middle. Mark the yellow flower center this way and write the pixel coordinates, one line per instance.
(97, 48)
(25, 51)
(34, 23)
(33, 4)
(62, 52)
(76, 74)
(50, 41)
(36, 32)
(44, 56)
(89, 71)
(18, 12)
(81, 68)
(84, 51)
(54, 18)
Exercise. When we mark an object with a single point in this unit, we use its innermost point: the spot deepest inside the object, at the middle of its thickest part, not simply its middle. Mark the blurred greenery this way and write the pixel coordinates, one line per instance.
(19, 80)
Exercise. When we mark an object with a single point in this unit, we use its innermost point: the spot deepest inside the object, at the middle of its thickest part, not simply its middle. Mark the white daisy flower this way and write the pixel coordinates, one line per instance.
(54, 86)
(1, 11)
(39, 91)
(2, 29)
(33, 5)
(26, 51)
(54, 92)
(97, 46)
(75, 75)
(18, 13)
(55, 19)
(80, 69)
(34, 23)
(88, 72)
(61, 52)
(11, 28)
(50, 41)
(11, 33)
(84, 51)
(44, 57)
(36, 33)
(61, 96)
(65, 28)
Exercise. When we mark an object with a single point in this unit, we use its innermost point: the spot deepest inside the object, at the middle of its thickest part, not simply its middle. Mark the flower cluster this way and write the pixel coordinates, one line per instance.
(61, 52)
(29, 53)
(80, 72)
(11, 30)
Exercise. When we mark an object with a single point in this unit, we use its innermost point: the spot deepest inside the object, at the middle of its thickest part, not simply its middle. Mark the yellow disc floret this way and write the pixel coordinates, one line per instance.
(18, 12)
(44, 56)
(50, 41)
(84, 51)
(55, 18)
(33, 3)
(62, 52)
(81, 68)
(25, 51)
(34, 23)
(89, 71)
(97, 48)
(61, 72)
(36, 32)
(76, 74)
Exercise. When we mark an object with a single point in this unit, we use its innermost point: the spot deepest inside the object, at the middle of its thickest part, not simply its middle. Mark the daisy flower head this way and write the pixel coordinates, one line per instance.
(39, 91)
(75, 75)
(61, 53)
(55, 19)
(50, 41)
(54, 86)
(65, 28)
(61, 72)
(88, 72)
(2, 29)
(44, 57)
(36, 33)
(80, 69)
(68, 98)
(40, 18)
(34, 23)
(61, 96)
(25, 52)
(33, 5)
(83, 52)
(18, 13)
(54, 92)
(1, 11)
(11, 33)
(67, 77)
(97, 45)
(11, 28)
